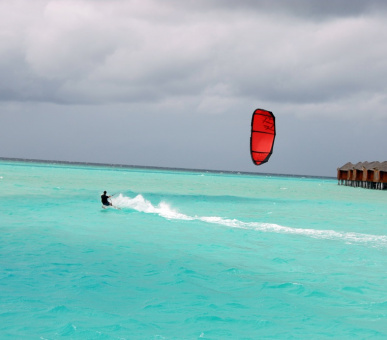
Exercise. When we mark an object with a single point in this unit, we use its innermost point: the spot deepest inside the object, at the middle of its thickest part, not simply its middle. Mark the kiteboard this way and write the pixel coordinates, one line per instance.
(110, 206)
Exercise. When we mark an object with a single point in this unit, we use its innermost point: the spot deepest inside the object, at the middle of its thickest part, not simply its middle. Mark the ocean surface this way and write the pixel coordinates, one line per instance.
(189, 255)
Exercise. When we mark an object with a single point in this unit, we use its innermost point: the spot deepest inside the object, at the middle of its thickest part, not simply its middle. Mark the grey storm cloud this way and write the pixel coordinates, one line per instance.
(197, 69)
(108, 51)
(307, 8)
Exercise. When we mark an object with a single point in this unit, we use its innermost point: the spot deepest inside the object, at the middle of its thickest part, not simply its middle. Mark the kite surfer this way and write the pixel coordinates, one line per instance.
(105, 201)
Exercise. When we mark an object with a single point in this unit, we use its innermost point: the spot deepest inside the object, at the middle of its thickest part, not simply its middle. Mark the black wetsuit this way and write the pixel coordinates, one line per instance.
(104, 199)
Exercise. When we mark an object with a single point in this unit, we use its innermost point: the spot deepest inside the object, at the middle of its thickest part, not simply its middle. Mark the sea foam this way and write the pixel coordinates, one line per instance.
(140, 204)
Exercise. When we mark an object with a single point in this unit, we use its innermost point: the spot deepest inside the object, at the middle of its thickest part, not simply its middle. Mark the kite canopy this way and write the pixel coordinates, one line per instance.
(262, 136)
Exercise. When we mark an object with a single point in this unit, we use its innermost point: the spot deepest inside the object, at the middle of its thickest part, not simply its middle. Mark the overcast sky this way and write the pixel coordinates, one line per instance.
(174, 83)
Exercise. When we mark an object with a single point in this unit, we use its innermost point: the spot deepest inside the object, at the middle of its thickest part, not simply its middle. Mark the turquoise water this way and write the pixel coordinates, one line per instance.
(190, 255)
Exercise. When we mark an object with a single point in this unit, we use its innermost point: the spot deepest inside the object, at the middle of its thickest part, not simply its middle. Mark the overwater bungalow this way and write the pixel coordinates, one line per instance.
(357, 174)
(380, 175)
(344, 173)
(372, 175)
(368, 180)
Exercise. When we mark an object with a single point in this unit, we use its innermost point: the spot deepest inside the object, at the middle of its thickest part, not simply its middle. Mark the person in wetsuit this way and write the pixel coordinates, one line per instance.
(104, 199)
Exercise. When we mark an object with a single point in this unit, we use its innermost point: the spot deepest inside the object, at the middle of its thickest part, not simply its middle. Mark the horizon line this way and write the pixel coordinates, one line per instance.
(114, 165)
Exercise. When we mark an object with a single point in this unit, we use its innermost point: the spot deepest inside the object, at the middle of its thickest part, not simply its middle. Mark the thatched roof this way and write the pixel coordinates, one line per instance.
(371, 165)
(358, 166)
(382, 166)
(346, 167)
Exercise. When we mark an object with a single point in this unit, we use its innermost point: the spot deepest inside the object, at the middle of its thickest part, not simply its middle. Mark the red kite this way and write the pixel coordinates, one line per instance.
(262, 136)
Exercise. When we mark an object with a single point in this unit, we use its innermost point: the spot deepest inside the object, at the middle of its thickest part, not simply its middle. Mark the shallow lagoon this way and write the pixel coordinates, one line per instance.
(189, 255)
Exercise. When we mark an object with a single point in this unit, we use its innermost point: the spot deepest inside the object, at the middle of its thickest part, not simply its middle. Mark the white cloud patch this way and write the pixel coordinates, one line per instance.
(128, 51)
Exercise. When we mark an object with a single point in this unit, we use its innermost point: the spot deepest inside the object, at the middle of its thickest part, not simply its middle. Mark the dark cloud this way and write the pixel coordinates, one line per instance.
(18, 83)
(309, 9)
(174, 83)
(74, 54)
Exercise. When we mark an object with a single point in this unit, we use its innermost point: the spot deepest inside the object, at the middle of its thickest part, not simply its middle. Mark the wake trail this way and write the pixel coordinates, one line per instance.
(139, 203)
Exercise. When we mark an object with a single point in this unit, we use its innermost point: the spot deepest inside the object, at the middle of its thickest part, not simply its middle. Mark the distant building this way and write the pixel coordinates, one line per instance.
(371, 175)
(381, 173)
